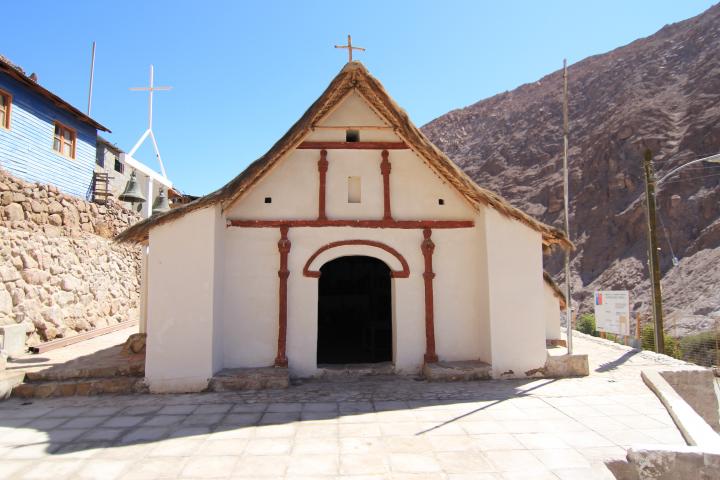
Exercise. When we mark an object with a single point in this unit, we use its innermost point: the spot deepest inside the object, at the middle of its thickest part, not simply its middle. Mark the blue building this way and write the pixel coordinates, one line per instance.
(42, 137)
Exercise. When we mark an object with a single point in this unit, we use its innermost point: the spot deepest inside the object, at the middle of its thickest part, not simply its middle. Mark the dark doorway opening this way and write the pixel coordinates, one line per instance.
(354, 311)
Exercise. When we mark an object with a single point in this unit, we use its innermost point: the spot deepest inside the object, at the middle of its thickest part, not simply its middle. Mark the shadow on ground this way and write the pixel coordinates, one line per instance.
(79, 424)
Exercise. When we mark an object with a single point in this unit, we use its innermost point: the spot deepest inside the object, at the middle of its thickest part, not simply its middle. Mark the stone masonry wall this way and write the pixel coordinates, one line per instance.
(60, 272)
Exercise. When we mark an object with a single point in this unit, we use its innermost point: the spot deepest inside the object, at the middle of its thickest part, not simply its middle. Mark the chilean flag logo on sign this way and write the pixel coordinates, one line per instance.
(598, 298)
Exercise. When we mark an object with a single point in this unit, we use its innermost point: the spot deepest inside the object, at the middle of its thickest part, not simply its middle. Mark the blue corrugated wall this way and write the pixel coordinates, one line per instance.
(26, 149)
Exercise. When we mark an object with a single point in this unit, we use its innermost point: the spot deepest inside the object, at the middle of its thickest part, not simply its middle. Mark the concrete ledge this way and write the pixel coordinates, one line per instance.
(692, 426)
(674, 462)
(457, 371)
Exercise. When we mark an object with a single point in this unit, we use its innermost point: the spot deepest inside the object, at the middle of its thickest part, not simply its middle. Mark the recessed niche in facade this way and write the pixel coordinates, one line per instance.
(354, 189)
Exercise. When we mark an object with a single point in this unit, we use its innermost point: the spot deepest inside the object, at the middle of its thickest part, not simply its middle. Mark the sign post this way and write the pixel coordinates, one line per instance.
(612, 312)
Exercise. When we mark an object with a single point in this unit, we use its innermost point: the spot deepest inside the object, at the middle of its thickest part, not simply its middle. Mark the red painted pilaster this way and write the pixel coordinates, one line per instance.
(385, 170)
(284, 248)
(322, 169)
(428, 247)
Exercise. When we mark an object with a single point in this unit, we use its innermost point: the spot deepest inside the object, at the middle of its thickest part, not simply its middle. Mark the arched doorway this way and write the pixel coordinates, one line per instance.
(354, 311)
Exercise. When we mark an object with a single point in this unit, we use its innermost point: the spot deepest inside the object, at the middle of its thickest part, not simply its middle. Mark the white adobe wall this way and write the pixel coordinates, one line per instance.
(516, 296)
(552, 314)
(251, 305)
(183, 352)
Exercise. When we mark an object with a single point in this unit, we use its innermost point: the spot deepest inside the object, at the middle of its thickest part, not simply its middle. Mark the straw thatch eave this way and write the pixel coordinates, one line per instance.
(556, 290)
(353, 77)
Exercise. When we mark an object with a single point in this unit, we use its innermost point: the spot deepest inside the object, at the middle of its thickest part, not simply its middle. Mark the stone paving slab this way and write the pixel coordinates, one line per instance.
(363, 428)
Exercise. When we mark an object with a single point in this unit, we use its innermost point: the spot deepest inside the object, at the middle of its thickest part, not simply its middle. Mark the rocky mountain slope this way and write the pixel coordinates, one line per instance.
(661, 92)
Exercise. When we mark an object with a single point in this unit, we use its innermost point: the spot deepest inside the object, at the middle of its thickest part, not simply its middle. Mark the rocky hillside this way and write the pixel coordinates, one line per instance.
(661, 92)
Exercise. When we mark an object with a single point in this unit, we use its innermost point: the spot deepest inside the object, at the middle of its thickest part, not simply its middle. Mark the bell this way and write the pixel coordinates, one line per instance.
(161, 203)
(132, 191)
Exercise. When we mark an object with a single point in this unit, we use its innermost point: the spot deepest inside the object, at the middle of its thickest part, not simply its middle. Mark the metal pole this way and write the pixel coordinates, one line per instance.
(152, 75)
(92, 78)
(566, 195)
(653, 263)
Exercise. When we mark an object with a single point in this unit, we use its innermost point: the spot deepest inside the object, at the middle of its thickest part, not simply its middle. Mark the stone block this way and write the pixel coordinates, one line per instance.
(6, 302)
(561, 366)
(674, 462)
(12, 339)
(14, 212)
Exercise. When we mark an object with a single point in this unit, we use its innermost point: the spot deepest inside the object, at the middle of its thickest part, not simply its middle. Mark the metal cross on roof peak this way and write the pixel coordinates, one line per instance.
(350, 48)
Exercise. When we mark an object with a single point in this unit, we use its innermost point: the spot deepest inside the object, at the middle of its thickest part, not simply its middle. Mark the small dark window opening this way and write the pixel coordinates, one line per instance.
(119, 166)
(352, 135)
(441, 201)
(268, 199)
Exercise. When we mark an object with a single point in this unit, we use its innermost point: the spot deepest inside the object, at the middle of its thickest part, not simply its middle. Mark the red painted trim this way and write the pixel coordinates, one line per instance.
(322, 170)
(284, 249)
(404, 273)
(428, 247)
(385, 168)
(353, 223)
(353, 146)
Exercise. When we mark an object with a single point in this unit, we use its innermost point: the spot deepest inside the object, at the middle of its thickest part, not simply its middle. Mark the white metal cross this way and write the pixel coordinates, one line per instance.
(151, 88)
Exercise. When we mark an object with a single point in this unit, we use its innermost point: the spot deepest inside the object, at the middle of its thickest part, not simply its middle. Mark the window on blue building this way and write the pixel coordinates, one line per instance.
(64, 141)
(5, 104)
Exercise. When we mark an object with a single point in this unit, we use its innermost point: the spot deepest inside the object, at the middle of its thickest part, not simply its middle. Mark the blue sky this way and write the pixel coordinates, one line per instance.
(243, 72)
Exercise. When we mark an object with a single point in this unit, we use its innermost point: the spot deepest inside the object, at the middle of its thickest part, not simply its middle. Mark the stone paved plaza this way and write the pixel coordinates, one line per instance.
(367, 428)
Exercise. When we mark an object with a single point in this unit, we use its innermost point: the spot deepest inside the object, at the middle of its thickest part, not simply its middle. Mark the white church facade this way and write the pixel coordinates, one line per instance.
(354, 240)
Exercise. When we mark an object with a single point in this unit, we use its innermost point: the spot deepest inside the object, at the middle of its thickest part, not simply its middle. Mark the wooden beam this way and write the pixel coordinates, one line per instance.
(406, 224)
(354, 127)
(428, 247)
(353, 146)
(64, 342)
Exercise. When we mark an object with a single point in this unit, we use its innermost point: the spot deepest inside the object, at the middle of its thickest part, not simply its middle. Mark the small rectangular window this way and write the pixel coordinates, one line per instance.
(64, 141)
(119, 166)
(353, 189)
(352, 135)
(441, 201)
(5, 106)
(268, 199)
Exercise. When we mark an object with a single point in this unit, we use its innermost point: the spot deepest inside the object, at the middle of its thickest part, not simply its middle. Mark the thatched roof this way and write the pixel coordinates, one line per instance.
(559, 294)
(353, 77)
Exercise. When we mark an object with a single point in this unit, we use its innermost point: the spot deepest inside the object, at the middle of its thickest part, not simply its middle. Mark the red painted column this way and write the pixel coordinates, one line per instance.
(284, 248)
(385, 170)
(428, 247)
(322, 169)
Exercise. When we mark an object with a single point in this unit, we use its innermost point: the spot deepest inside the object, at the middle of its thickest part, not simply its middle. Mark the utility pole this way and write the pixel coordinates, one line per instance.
(566, 196)
(92, 78)
(653, 263)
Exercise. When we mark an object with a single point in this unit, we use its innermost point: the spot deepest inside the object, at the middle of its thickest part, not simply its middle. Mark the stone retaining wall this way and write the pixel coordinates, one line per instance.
(60, 272)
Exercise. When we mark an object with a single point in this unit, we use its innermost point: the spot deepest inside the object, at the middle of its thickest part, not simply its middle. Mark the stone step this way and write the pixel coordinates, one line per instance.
(81, 387)
(351, 370)
(234, 379)
(457, 371)
(130, 366)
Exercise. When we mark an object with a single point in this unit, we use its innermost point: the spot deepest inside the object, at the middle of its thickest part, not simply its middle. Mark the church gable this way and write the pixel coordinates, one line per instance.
(353, 79)
(354, 178)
